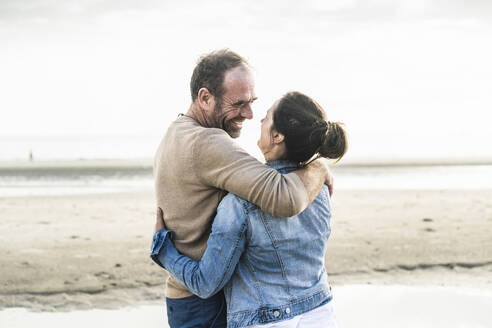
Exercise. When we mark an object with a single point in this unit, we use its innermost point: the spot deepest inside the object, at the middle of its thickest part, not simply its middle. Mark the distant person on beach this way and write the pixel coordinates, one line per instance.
(272, 268)
(198, 162)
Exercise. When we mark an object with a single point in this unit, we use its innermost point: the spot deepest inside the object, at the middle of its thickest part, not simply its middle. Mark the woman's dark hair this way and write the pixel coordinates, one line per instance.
(307, 132)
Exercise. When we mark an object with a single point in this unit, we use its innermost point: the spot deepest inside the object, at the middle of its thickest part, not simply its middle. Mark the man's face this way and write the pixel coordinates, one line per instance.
(235, 105)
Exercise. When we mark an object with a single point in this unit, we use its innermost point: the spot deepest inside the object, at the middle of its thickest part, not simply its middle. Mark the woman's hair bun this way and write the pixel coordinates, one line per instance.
(334, 144)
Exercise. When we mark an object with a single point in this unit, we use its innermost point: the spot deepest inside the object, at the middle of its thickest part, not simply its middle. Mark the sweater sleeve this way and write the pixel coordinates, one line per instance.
(221, 163)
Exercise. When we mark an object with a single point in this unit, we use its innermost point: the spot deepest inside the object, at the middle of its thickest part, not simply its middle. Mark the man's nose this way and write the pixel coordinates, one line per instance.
(247, 111)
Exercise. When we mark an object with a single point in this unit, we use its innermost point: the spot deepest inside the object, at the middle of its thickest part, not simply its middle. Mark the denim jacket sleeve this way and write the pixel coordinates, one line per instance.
(225, 245)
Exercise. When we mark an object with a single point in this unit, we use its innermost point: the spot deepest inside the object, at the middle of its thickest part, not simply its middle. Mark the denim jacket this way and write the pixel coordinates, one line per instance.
(271, 268)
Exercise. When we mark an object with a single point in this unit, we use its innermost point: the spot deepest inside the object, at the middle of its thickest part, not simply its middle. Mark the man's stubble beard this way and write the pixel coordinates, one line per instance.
(218, 120)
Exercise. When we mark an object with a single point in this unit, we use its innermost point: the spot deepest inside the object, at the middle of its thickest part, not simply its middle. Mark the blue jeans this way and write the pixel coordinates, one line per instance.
(195, 312)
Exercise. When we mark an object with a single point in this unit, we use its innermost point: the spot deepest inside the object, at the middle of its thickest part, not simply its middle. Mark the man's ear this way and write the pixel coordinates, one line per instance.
(206, 100)
(277, 137)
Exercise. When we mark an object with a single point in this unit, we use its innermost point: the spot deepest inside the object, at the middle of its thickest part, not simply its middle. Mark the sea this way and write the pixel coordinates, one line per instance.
(60, 178)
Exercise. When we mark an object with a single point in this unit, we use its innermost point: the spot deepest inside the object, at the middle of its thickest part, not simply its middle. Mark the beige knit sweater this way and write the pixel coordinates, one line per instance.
(194, 167)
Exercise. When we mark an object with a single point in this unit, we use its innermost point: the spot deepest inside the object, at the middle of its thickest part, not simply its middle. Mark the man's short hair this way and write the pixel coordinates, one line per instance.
(210, 71)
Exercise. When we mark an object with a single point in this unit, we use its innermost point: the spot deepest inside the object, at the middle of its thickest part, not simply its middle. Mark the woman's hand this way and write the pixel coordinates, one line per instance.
(159, 220)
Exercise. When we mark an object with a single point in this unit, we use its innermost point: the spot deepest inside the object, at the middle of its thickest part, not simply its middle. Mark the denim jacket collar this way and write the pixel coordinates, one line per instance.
(283, 166)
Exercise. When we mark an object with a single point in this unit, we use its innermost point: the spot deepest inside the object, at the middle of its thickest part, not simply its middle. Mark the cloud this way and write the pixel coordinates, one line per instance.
(28, 9)
(353, 10)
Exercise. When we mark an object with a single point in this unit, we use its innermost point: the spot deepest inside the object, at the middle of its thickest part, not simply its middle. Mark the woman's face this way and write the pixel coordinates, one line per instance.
(265, 143)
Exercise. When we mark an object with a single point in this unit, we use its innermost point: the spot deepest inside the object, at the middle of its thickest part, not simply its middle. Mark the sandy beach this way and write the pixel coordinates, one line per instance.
(63, 253)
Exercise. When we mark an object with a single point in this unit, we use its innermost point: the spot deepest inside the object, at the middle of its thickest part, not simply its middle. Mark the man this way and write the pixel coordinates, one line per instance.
(198, 162)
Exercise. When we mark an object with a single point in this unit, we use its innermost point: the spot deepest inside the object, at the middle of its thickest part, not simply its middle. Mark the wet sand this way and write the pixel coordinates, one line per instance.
(80, 252)
(355, 306)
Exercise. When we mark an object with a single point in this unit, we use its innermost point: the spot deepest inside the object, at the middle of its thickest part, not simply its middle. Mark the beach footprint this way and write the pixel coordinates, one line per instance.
(104, 275)
(428, 220)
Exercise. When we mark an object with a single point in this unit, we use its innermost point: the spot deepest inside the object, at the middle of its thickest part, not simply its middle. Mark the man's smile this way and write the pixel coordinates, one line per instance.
(237, 123)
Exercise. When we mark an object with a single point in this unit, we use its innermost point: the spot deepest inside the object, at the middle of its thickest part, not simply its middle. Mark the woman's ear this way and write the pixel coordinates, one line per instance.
(277, 137)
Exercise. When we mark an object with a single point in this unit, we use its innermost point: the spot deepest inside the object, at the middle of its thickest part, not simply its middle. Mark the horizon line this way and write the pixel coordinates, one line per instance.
(143, 163)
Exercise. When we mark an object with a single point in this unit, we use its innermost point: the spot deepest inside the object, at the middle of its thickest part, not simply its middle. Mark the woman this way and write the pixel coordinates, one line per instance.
(272, 269)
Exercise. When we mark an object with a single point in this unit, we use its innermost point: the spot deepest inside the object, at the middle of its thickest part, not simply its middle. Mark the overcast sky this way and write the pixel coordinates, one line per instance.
(409, 78)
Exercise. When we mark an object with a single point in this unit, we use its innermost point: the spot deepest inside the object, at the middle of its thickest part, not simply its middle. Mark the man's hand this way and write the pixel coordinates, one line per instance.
(314, 175)
(159, 220)
(328, 175)
(321, 165)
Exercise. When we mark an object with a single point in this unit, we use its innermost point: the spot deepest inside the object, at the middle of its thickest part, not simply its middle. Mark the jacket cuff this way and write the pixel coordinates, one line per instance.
(158, 242)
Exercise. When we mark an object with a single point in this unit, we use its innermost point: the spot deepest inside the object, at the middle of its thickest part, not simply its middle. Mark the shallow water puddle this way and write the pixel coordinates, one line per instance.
(355, 305)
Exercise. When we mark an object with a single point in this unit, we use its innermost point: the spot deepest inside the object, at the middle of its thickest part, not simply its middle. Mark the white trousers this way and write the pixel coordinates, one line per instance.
(323, 316)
